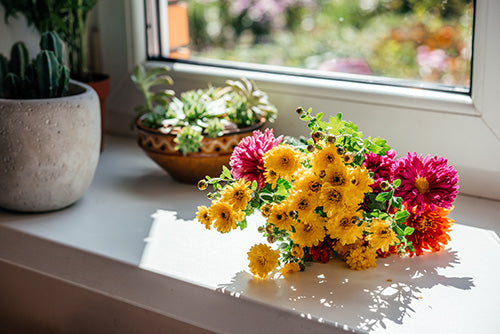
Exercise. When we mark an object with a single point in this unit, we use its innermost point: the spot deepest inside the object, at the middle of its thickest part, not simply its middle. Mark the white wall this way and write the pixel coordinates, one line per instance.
(16, 30)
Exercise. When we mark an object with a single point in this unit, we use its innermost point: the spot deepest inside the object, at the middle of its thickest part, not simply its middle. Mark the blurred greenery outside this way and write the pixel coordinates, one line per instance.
(423, 40)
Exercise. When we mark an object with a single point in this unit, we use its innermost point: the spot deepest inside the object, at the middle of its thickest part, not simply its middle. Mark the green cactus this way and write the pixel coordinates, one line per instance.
(19, 59)
(13, 85)
(4, 69)
(44, 77)
(52, 42)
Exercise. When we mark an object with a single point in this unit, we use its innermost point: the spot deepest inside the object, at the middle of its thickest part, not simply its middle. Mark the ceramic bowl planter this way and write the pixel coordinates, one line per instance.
(49, 149)
(192, 167)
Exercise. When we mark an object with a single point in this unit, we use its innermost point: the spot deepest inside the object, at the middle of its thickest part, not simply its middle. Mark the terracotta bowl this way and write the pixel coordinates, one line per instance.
(192, 167)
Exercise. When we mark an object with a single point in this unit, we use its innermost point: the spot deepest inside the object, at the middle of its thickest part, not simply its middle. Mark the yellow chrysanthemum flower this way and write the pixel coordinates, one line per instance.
(280, 217)
(346, 230)
(381, 235)
(224, 216)
(327, 156)
(297, 252)
(336, 175)
(362, 258)
(332, 199)
(303, 203)
(289, 268)
(283, 159)
(307, 181)
(263, 260)
(271, 177)
(238, 195)
(359, 177)
(203, 216)
(343, 250)
(307, 234)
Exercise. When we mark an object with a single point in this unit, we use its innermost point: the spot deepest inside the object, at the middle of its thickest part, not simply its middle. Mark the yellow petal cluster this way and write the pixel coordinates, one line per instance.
(263, 260)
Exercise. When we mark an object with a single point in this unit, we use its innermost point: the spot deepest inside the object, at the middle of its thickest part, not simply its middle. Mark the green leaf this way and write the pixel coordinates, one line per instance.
(396, 183)
(401, 216)
(408, 230)
(226, 172)
(218, 186)
(281, 190)
(410, 247)
(335, 124)
(254, 185)
(383, 197)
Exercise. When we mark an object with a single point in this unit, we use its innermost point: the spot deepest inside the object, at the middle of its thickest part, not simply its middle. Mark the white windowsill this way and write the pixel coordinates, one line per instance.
(110, 243)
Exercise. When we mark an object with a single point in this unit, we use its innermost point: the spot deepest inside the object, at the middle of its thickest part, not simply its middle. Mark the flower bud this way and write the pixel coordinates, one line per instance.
(269, 229)
(340, 150)
(202, 185)
(331, 139)
(384, 185)
(210, 196)
(310, 148)
(299, 110)
(348, 158)
(317, 136)
(271, 239)
(261, 229)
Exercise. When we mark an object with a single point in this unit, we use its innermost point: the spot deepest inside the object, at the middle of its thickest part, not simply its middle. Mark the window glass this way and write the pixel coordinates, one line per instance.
(424, 43)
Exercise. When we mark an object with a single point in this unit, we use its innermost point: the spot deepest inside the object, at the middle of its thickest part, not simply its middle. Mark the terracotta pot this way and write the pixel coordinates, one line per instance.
(190, 168)
(101, 83)
(49, 149)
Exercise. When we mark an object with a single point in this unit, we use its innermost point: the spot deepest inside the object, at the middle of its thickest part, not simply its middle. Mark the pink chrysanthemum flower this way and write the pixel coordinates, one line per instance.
(380, 165)
(246, 161)
(424, 181)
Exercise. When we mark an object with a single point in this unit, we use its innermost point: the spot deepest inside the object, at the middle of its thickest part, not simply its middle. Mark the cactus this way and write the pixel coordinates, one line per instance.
(52, 42)
(44, 77)
(19, 59)
(4, 69)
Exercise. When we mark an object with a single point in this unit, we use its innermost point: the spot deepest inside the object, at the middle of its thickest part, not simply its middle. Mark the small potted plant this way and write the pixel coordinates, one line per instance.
(50, 130)
(194, 135)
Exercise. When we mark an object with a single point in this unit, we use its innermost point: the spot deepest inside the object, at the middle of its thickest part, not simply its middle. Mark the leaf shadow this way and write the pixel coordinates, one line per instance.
(362, 300)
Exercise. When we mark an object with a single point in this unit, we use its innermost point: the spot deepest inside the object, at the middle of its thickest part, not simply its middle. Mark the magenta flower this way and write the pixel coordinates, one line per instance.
(424, 181)
(247, 162)
(380, 165)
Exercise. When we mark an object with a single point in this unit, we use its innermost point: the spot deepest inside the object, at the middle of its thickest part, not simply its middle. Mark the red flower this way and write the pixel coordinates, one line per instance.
(380, 165)
(431, 230)
(426, 181)
(247, 162)
(321, 253)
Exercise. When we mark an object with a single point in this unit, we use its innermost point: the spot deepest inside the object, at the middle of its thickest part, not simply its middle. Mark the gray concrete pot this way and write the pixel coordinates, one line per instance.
(49, 149)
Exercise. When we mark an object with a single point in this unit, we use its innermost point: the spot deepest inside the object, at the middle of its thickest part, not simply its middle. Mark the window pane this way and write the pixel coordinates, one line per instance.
(412, 41)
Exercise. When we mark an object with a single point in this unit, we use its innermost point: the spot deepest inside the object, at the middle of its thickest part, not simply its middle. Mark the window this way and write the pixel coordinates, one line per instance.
(464, 128)
(425, 44)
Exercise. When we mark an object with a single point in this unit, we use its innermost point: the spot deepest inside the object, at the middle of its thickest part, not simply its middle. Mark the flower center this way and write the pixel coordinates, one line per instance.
(422, 185)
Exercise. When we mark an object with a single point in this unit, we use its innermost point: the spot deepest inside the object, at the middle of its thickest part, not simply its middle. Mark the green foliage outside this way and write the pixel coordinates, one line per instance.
(425, 40)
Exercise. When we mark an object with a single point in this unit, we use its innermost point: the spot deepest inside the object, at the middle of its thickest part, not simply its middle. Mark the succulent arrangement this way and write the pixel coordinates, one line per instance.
(44, 76)
(198, 113)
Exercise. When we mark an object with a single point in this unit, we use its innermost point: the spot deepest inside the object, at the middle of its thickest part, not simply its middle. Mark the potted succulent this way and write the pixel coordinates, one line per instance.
(193, 135)
(50, 130)
(69, 19)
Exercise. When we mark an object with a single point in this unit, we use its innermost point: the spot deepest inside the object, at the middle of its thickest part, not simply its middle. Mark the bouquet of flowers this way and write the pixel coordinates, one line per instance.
(334, 193)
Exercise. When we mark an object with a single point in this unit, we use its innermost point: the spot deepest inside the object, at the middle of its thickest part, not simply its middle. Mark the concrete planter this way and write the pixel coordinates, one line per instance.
(49, 149)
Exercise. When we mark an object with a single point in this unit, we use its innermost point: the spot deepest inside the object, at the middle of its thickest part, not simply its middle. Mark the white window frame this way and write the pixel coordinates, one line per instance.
(465, 129)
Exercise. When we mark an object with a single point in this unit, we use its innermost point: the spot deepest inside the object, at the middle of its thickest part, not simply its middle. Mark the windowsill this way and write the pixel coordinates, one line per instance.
(109, 242)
